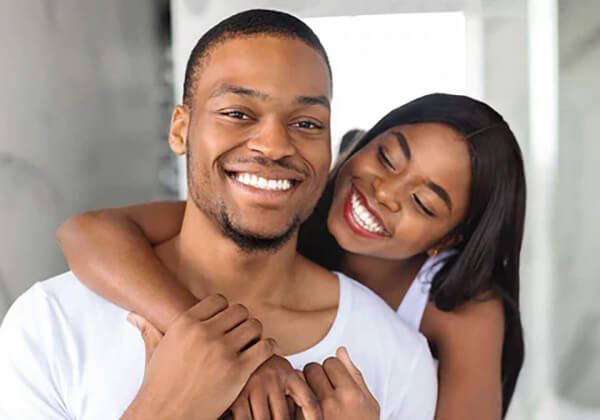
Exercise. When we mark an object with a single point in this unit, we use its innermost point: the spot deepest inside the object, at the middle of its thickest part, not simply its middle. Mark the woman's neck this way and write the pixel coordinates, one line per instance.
(390, 279)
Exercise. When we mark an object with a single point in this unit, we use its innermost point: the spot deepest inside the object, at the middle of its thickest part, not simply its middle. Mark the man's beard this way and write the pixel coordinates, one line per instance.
(249, 242)
(246, 241)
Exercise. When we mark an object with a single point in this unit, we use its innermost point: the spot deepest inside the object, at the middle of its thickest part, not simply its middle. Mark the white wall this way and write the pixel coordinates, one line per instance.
(380, 62)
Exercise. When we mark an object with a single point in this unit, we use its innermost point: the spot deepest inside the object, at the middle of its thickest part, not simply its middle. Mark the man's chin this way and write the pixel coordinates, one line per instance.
(258, 237)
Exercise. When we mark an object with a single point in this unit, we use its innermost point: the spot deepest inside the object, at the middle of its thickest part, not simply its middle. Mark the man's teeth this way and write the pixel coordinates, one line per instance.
(363, 216)
(263, 183)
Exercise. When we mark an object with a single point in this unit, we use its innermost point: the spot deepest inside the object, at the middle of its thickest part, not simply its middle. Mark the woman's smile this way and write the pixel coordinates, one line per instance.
(361, 218)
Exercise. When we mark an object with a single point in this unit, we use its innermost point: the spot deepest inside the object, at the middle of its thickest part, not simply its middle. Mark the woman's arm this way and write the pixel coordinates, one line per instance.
(111, 252)
(469, 342)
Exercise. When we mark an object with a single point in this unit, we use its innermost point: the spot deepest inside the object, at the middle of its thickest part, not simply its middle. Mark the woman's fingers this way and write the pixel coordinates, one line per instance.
(344, 357)
(291, 406)
(259, 405)
(150, 334)
(240, 410)
(318, 380)
(308, 406)
(231, 317)
(248, 332)
(279, 406)
(338, 374)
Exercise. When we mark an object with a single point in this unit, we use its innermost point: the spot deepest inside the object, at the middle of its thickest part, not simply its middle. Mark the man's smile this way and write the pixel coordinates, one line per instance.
(265, 188)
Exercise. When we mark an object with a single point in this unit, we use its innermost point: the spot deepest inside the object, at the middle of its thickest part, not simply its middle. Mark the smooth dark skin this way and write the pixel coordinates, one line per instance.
(245, 106)
(469, 338)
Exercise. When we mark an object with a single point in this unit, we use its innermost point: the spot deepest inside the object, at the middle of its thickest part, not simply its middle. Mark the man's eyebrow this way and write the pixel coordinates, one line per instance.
(313, 100)
(238, 90)
(403, 144)
(441, 193)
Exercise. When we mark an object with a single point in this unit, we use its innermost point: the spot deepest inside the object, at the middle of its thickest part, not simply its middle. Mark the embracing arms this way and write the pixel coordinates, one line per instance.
(111, 252)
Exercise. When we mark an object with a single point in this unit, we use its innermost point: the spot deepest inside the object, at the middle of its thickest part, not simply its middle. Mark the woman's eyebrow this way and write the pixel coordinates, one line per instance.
(403, 144)
(441, 193)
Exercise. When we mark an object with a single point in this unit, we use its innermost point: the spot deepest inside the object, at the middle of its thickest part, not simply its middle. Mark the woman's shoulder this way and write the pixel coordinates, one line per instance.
(484, 314)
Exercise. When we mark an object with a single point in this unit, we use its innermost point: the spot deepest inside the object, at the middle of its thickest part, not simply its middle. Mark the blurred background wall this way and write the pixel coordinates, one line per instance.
(84, 109)
(576, 206)
(87, 89)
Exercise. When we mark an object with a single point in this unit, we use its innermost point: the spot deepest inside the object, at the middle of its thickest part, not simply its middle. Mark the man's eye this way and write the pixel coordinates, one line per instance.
(237, 115)
(307, 124)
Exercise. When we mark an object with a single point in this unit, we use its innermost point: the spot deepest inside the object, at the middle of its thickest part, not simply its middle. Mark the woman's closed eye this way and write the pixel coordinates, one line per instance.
(383, 158)
(422, 206)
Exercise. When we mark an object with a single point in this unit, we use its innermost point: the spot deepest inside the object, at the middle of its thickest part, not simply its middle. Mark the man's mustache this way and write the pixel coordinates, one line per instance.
(269, 163)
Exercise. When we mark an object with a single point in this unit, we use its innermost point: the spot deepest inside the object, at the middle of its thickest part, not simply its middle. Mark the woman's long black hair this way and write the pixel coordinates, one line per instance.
(492, 232)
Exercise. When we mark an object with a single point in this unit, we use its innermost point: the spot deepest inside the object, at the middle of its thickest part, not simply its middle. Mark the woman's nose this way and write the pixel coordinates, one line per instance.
(386, 193)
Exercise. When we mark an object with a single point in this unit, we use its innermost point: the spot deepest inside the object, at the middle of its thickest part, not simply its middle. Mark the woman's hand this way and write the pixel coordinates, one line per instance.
(276, 391)
(222, 346)
(341, 389)
(150, 334)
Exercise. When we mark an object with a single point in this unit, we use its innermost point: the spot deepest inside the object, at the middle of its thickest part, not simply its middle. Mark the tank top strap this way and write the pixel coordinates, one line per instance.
(413, 304)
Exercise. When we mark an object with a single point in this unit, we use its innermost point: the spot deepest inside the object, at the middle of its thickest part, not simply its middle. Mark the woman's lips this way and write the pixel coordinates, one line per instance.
(369, 225)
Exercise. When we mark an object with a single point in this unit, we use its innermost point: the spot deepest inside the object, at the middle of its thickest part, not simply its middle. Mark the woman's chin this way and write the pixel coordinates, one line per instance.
(344, 236)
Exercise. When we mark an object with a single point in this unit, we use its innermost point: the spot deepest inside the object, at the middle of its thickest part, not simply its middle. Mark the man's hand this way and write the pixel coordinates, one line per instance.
(341, 389)
(274, 392)
(201, 364)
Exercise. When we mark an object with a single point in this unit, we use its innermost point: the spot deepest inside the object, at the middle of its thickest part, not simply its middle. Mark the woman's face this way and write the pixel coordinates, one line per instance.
(403, 192)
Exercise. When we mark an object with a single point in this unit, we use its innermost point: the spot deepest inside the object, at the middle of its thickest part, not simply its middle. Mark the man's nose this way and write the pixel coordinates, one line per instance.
(272, 141)
(386, 193)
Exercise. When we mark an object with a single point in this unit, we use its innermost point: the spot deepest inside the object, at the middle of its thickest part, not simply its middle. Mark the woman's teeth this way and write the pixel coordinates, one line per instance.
(263, 183)
(363, 216)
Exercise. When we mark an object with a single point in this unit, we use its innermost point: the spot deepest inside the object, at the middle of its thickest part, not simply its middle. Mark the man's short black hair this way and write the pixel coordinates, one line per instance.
(250, 22)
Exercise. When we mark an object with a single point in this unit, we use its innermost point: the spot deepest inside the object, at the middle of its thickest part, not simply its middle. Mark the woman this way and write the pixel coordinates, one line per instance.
(426, 209)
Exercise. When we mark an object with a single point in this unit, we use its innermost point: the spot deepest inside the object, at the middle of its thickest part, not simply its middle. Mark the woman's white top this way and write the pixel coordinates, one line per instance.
(413, 305)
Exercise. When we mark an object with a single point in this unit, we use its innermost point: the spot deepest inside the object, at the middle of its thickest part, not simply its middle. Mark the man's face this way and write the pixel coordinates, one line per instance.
(258, 138)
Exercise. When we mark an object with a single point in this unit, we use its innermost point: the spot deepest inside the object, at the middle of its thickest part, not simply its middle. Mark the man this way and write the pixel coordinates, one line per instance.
(254, 127)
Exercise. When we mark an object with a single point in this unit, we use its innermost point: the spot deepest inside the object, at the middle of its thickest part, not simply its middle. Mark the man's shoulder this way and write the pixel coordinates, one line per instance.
(66, 290)
(61, 299)
(63, 351)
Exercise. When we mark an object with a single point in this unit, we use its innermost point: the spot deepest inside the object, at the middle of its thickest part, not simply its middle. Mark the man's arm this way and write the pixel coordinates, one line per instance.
(28, 388)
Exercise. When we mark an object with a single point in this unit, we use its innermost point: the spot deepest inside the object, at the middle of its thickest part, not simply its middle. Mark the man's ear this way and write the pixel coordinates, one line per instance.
(178, 132)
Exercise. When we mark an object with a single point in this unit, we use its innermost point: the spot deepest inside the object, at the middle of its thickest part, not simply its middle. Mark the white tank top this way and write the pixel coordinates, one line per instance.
(413, 304)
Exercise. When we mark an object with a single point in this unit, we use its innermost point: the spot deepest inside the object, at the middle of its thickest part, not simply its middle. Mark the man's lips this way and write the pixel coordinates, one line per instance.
(265, 172)
(271, 183)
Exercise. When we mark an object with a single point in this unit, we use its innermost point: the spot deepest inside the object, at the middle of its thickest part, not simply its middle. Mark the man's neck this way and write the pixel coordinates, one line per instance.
(207, 262)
